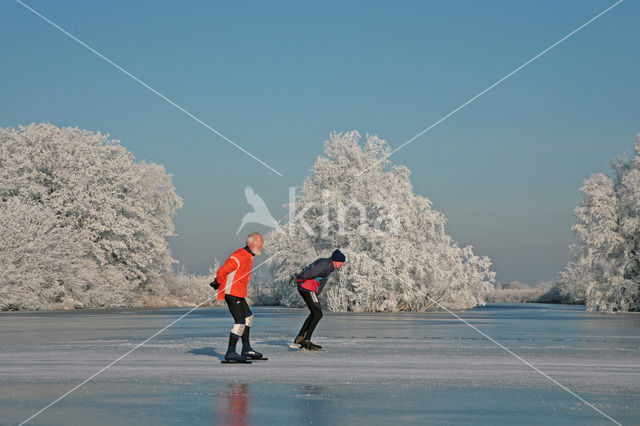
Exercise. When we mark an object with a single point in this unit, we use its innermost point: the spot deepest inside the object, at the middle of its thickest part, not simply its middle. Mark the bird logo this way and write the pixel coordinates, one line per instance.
(260, 214)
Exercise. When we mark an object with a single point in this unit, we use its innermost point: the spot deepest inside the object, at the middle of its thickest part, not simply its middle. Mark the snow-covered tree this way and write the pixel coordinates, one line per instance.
(82, 224)
(40, 261)
(399, 256)
(605, 273)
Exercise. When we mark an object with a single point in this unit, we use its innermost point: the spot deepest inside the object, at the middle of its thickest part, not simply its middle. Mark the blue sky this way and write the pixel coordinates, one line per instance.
(278, 78)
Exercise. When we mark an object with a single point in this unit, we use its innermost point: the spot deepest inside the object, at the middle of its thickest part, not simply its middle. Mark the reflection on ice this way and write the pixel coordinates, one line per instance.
(232, 405)
(312, 404)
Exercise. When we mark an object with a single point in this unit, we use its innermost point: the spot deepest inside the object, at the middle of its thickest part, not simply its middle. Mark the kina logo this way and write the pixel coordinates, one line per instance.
(260, 214)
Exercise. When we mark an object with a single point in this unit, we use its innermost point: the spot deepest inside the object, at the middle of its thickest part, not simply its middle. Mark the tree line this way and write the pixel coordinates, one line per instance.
(83, 225)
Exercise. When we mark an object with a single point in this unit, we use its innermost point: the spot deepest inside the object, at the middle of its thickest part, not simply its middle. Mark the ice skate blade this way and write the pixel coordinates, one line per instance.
(232, 361)
(299, 349)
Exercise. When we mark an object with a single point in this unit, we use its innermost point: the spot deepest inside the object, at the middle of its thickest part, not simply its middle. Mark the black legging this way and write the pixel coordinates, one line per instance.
(311, 299)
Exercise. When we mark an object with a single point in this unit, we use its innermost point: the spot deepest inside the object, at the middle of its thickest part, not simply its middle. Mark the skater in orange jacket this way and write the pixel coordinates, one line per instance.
(231, 282)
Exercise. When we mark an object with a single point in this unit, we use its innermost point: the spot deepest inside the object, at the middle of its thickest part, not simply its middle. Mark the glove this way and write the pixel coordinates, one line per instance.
(214, 284)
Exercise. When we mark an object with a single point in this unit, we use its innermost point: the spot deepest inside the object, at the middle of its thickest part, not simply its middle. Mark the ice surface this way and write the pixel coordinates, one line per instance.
(378, 369)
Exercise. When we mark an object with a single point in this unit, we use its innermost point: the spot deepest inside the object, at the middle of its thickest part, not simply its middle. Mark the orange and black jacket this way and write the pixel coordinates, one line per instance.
(234, 274)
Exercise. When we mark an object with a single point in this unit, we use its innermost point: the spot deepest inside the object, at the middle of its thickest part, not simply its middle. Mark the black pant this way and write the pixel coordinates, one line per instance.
(311, 299)
(242, 316)
(238, 307)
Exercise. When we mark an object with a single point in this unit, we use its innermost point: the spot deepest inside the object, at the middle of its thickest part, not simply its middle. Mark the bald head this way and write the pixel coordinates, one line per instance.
(255, 243)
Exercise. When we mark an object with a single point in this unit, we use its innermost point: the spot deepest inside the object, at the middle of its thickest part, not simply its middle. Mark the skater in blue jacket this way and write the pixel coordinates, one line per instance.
(310, 282)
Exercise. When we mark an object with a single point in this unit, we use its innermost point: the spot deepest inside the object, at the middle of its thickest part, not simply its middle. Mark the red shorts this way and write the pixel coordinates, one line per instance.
(311, 285)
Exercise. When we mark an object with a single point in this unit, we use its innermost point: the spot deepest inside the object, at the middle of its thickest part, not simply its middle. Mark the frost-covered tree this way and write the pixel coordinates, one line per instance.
(82, 224)
(40, 261)
(399, 256)
(605, 273)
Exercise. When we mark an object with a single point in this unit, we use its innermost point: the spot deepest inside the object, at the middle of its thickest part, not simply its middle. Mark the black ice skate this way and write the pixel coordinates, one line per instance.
(235, 358)
(253, 355)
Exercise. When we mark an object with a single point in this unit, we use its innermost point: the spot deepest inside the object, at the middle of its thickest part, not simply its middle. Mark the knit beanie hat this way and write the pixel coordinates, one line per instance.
(338, 256)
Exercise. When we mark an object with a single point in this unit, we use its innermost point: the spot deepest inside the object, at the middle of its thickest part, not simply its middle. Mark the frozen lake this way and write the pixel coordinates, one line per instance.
(378, 369)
